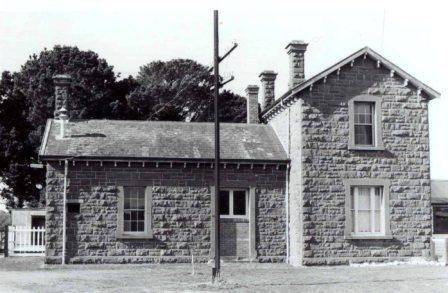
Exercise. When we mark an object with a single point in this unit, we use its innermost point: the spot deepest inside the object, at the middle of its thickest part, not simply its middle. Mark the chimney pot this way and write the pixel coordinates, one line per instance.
(63, 118)
(252, 104)
(296, 51)
(61, 91)
(267, 78)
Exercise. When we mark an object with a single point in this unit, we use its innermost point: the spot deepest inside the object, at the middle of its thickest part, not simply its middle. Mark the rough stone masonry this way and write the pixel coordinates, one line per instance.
(180, 211)
(315, 132)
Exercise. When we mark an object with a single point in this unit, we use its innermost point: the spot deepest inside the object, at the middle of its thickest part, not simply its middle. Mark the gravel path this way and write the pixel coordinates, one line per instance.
(30, 275)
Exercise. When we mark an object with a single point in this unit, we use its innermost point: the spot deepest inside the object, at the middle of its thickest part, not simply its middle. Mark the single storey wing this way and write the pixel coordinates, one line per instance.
(160, 140)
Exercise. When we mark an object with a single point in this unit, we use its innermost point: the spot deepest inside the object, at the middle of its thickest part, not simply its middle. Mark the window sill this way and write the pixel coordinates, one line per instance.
(369, 237)
(135, 236)
(365, 148)
(234, 219)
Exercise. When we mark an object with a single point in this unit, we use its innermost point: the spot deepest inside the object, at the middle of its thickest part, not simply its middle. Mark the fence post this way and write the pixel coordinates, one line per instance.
(6, 241)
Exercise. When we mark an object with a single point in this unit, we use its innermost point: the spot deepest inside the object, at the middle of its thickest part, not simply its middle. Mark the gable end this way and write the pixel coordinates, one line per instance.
(292, 96)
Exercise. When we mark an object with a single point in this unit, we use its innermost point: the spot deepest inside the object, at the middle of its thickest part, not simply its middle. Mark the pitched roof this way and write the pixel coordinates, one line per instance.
(160, 140)
(364, 52)
(439, 191)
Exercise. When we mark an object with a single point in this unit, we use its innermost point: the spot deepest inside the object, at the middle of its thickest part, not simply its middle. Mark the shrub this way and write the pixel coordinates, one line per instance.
(5, 220)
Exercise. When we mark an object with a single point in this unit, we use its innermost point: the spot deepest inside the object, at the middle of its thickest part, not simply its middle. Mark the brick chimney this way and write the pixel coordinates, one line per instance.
(61, 93)
(267, 78)
(296, 51)
(252, 104)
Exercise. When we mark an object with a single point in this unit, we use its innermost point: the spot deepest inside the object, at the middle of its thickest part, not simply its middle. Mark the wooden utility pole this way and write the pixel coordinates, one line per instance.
(217, 256)
(215, 201)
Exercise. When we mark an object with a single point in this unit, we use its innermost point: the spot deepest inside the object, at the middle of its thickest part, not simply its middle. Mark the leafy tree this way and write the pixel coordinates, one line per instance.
(180, 89)
(93, 80)
(15, 149)
(28, 100)
(232, 108)
(119, 108)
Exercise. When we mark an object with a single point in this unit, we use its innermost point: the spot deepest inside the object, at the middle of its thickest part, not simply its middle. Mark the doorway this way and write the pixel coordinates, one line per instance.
(37, 221)
(234, 223)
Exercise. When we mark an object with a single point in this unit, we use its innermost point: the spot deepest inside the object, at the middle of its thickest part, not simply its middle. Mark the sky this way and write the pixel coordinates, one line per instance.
(129, 34)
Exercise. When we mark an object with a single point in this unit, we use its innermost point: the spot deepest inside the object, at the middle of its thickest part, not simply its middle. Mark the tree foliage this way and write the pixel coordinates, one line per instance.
(16, 149)
(181, 89)
(28, 101)
(178, 90)
(5, 220)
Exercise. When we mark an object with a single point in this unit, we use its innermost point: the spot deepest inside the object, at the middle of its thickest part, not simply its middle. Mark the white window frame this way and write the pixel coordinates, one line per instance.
(371, 123)
(354, 212)
(231, 215)
(147, 233)
(145, 210)
(385, 232)
(377, 132)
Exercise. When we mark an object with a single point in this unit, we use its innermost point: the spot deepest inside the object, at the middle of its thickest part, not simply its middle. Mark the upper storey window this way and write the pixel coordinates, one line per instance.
(365, 123)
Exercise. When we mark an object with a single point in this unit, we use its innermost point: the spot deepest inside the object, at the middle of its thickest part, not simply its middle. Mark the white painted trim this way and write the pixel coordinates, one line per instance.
(385, 213)
(45, 138)
(377, 123)
(252, 224)
(355, 208)
(287, 210)
(148, 231)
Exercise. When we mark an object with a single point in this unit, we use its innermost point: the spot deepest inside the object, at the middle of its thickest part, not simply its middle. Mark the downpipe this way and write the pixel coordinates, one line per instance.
(64, 212)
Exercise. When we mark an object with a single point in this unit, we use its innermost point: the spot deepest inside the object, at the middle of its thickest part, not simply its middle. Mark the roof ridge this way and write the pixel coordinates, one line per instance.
(168, 122)
(133, 140)
(366, 50)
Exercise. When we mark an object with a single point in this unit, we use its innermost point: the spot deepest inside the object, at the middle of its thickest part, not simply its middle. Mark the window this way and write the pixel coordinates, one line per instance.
(73, 207)
(134, 212)
(233, 203)
(134, 209)
(365, 123)
(367, 208)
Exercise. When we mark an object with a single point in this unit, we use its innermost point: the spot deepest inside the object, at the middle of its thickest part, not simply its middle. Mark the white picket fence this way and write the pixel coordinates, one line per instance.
(26, 241)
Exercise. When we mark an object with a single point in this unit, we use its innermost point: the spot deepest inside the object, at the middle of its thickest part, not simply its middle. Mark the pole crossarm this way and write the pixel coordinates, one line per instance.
(228, 52)
(224, 56)
(227, 81)
(223, 83)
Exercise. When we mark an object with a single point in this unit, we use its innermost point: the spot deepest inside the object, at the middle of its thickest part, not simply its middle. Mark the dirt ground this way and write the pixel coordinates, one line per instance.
(30, 275)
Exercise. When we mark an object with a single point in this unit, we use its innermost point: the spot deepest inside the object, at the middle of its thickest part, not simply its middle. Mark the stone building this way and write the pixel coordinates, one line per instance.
(336, 172)
(139, 191)
(357, 138)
